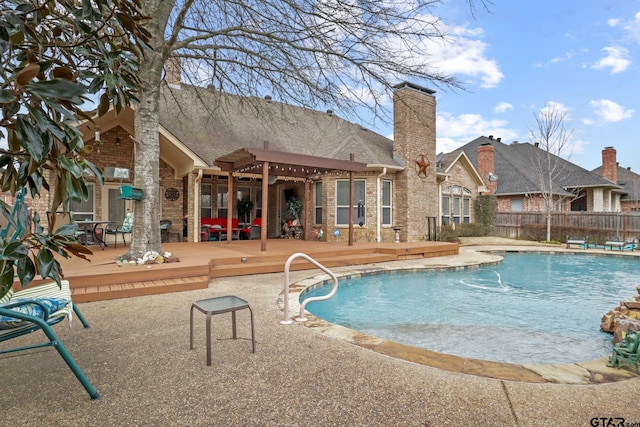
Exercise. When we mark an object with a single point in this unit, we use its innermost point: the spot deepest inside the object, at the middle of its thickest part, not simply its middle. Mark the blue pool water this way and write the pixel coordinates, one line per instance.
(531, 308)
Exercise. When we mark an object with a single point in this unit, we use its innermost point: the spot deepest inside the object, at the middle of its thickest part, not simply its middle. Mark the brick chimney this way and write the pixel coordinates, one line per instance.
(486, 166)
(173, 71)
(414, 146)
(609, 164)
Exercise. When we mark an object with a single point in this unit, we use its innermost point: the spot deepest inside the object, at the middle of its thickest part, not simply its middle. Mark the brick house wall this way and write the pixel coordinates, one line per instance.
(369, 230)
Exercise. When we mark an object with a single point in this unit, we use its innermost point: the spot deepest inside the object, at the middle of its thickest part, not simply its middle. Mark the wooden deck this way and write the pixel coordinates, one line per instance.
(103, 279)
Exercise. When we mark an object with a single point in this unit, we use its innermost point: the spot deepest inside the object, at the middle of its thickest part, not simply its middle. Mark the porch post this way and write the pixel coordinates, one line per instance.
(230, 198)
(265, 206)
(305, 229)
(351, 189)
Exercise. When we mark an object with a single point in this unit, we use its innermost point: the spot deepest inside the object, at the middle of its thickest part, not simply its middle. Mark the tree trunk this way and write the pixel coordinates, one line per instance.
(146, 226)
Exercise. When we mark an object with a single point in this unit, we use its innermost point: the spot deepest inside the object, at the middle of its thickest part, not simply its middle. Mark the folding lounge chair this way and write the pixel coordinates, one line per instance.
(39, 308)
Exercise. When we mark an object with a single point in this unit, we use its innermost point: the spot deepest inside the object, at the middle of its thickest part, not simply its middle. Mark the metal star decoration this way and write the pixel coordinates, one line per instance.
(422, 166)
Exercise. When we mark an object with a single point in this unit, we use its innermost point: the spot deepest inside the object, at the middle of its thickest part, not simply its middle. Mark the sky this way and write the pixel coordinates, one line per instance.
(519, 57)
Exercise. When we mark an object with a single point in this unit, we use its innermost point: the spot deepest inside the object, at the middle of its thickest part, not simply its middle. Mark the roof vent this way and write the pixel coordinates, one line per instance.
(499, 139)
(491, 137)
(330, 112)
(267, 98)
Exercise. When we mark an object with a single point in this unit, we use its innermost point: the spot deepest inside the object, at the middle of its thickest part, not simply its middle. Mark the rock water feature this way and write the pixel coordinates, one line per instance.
(623, 318)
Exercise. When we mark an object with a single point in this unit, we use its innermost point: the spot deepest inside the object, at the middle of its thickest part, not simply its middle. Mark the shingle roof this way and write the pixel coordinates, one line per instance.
(214, 124)
(518, 173)
(628, 180)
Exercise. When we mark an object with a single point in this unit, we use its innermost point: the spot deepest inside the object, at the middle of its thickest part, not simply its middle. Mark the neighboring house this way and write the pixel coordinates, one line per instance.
(624, 177)
(399, 185)
(512, 174)
(460, 185)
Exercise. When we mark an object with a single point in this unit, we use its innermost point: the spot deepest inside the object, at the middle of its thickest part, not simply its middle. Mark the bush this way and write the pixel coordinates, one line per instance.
(447, 233)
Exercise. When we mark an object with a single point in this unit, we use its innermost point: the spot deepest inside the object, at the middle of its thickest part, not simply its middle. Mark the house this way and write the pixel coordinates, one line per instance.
(624, 177)
(397, 189)
(513, 173)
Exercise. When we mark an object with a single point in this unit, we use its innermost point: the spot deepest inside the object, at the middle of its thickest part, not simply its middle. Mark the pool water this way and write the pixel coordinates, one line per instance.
(531, 308)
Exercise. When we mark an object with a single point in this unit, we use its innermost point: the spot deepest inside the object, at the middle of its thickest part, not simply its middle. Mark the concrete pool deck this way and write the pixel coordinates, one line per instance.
(137, 355)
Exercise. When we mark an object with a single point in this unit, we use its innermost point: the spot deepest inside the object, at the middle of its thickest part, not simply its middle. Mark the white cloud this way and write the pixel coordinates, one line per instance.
(567, 56)
(613, 22)
(610, 111)
(502, 107)
(616, 59)
(555, 107)
(462, 52)
(455, 131)
(633, 28)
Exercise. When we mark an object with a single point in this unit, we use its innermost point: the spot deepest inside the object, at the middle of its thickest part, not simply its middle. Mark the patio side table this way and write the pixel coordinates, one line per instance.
(219, 305)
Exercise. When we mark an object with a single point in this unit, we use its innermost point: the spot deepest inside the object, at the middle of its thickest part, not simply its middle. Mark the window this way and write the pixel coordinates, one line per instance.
(516, 205)
(84, 209)
(386, 202)
(456, 205)
(318, 219)
(206, 210)
(446, 207)
(222, 201)
(258, 203)
(342, 202)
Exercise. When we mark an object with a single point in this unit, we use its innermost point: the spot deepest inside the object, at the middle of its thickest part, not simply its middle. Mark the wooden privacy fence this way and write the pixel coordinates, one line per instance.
(598, 226)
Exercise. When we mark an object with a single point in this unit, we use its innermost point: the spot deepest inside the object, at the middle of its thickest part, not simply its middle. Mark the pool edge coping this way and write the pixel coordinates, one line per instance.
(584, 372)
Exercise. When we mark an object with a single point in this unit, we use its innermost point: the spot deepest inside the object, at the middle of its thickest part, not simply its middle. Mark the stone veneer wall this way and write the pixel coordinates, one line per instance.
(414, 134)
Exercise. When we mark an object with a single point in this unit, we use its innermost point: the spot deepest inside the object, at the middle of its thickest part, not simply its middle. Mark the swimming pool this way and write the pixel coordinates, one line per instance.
(536, 308)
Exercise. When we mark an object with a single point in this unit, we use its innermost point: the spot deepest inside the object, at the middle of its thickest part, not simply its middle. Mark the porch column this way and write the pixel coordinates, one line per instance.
(230, 207)
(307, 222)
(351, 190)
(265, 206)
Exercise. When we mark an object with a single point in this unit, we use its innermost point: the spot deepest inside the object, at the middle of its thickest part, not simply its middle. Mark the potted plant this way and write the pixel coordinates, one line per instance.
(294, 206)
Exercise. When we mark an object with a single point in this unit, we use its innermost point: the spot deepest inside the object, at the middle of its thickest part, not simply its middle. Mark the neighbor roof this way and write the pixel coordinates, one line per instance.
(213, 124)
(628, 180)
(515, 166)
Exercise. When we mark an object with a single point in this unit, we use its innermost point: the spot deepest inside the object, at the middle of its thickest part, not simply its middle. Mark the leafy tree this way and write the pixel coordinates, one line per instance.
(55, 55)
(346, 55)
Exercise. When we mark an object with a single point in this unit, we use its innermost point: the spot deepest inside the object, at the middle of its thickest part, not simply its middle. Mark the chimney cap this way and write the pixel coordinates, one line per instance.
(413, 86)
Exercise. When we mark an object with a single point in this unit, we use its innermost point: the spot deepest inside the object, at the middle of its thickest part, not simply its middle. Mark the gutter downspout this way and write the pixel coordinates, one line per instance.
(196, 208)
(379, 205)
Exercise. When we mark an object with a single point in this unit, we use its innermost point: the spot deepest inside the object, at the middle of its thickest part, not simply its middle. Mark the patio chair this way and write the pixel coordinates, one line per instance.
(626, 352)
(165, 225)
(125, 228)
(39, 308)
(256, 229)
(55, 220)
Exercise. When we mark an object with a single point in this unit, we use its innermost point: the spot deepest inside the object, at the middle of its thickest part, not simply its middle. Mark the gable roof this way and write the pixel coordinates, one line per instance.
(516, 167)
(213, 124)
(629, 182)
(445, 162)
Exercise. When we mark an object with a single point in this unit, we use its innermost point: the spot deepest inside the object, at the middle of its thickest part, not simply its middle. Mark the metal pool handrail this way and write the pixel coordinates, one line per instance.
(301, 318)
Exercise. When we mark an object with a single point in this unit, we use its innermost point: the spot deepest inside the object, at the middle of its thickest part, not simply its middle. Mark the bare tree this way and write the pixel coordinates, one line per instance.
(342, 54)
(552, 138)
